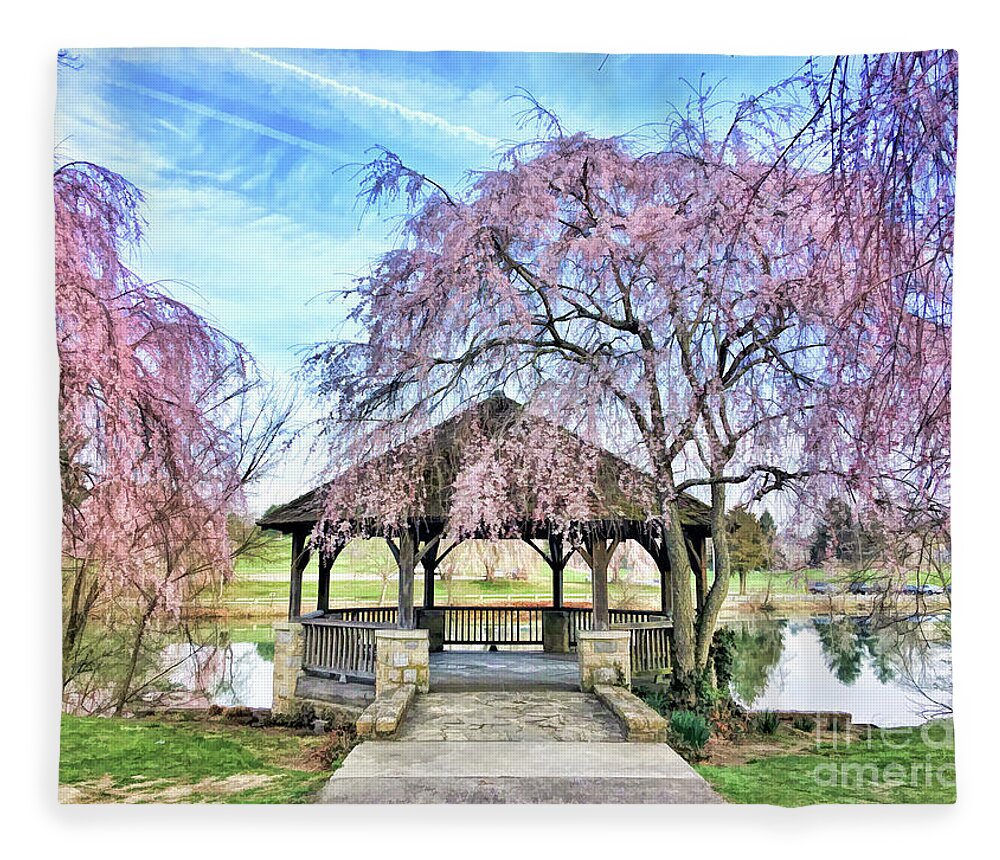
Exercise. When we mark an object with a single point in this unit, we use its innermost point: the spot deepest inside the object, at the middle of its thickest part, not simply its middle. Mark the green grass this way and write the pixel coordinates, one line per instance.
(458, 592)
(108, 760)
(909, 765)
(264, 580)
(357, 573)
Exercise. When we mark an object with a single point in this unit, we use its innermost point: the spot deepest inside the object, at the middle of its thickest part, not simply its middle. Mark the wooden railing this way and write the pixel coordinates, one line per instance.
(650, 647)
(583, 619)
(492, 625)
(337, 647)
(368, 614)
(343, 641)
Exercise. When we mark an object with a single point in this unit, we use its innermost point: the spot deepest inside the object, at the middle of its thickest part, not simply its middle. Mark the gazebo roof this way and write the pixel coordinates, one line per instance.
(619, 496)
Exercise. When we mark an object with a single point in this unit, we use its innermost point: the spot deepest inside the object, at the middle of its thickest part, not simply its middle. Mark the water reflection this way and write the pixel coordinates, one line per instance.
(888, 674)
(228, 666)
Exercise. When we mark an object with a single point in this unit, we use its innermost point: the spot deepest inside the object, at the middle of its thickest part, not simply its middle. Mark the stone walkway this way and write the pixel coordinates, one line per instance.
(518, 716)
(503, 772)
(527, 746)
(460, 671)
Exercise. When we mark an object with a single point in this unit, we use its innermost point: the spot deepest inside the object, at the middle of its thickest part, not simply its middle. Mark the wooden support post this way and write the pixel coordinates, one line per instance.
(326, 560)
(666, 586)
(599, 552)
(407, 563)
(300, 558)
(429, 562)
(696, 557)
(557, 560)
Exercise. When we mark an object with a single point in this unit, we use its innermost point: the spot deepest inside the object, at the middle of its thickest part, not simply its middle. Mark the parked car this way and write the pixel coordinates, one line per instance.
(821, 588)
(864, 588)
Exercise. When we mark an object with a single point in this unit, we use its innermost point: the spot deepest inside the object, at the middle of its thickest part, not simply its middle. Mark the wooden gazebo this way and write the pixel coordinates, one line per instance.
(621, 501)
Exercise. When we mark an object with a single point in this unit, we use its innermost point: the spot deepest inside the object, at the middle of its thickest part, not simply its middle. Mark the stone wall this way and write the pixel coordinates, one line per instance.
(640, 722)
(604, 658)
(288, 649)
(401, 657)
(383, 716)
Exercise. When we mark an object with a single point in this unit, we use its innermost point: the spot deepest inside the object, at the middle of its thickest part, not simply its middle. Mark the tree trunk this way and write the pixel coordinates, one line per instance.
(709, 616)
(680, 584)
(78, 613)
(743, 582)
(140, 634)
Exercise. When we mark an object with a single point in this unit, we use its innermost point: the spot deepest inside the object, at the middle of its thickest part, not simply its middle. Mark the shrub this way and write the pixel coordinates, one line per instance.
(338, 743)
(766, 722)
(658, 700)
(722, 653)
(692, 728)
(804, 723)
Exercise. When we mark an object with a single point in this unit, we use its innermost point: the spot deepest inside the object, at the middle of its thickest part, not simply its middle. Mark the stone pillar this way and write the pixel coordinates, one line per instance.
(604, 657)
(401, 657)
(288, 650)
(555, 631)
(432, 620)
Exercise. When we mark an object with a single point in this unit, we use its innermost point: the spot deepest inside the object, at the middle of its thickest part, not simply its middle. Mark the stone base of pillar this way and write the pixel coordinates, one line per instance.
(401, 657)
(432, 620)
(555, 631)
(288, 650)
(604, 658)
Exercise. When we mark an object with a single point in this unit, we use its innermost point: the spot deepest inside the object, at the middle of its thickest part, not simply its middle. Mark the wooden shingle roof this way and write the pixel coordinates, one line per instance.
(623, 492)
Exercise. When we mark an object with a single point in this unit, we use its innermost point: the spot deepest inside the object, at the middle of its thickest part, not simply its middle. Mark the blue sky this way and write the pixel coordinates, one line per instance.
(237, 152)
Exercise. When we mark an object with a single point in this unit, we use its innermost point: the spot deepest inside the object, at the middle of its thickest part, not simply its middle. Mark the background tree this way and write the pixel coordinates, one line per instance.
(841, 537)
(719, 306)
(748, 544)
(770, 530)
(162, 425)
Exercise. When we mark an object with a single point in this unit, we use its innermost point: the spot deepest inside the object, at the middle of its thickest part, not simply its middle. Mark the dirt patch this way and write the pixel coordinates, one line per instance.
(788, 741)
(157, 791)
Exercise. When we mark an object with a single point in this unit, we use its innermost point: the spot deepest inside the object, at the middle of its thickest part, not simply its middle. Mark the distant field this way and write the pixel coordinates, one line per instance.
(365, 573)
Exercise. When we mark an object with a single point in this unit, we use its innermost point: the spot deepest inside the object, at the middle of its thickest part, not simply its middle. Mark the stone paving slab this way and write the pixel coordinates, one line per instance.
(526, 772)
(523, 716)
(457, 671)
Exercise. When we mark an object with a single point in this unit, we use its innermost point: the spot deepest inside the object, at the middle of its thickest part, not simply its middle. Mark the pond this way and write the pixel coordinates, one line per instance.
(887, 674)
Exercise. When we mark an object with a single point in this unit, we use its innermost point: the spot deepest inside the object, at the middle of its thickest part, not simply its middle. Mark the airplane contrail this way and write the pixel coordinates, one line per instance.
(418, 116)
(232, 119)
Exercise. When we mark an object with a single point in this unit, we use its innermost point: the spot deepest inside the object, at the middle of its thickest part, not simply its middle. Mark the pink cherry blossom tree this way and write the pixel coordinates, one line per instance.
(161, 426)
(766, 308)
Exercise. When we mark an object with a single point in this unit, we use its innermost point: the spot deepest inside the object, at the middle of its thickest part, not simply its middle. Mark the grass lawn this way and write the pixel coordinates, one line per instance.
(458, 593)
(264, 580)
(358, 572)
(907, 765)
(108, 760)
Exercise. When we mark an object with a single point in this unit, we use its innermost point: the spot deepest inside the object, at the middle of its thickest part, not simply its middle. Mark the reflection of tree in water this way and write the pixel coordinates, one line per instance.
(913, 652)
(918, 650)
(224, 663)
(758, 649)
(845, 643)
